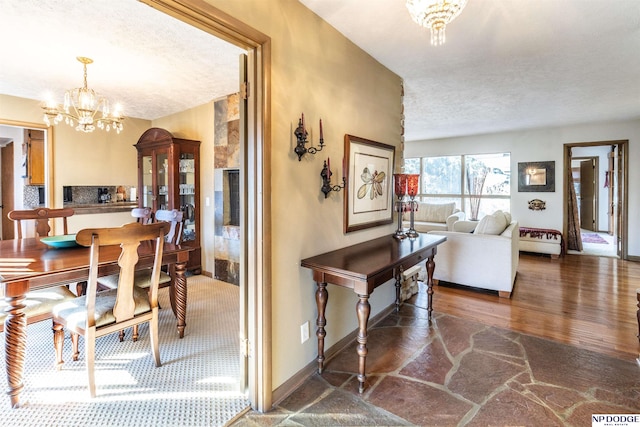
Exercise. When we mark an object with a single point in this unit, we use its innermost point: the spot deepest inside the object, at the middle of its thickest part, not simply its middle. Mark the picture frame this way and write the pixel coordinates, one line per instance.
(368, 193)
(537, 176)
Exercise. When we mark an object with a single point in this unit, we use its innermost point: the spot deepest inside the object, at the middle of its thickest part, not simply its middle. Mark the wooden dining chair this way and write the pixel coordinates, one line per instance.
(39, 304)
(42, 217)
(142, 215)
(100, 313)
(175, 219)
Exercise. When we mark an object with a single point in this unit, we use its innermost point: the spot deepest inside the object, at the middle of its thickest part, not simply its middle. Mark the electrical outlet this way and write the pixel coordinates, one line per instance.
(304, 332)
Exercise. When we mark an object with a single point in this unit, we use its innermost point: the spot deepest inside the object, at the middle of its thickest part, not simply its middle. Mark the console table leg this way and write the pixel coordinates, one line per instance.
(431, 266)
(362, 309)
(399, 277)
(322, 297)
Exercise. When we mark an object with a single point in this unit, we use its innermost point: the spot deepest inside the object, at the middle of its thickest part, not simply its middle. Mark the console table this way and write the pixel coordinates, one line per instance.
(364, 267)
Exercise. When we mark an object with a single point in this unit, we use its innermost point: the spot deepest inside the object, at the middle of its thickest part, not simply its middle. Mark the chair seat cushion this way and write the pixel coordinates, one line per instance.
(73, 313)
(40, 302)
(142, 279)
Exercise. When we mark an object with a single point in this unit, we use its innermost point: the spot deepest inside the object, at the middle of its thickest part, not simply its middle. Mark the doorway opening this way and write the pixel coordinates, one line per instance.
(595, 220)
(24, 179)
(255, 303)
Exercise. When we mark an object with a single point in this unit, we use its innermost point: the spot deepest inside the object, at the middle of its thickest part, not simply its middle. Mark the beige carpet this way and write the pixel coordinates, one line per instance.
(197, 384)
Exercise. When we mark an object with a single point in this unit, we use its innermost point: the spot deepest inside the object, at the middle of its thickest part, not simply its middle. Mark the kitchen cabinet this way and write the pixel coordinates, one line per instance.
(169, 178)
(35, 156)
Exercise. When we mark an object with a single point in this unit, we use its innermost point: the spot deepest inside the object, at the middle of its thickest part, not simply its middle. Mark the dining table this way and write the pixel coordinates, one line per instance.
(29, 264)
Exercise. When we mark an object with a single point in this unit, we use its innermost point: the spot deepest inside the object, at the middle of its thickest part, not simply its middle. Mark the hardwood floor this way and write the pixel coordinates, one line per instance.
(586, 301)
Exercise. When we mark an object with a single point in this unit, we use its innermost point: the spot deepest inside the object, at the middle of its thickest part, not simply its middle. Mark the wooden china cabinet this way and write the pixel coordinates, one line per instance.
(169, 178)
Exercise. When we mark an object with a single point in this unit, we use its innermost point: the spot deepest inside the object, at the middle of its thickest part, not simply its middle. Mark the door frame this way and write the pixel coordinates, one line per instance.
(7, 190)
(257, 257)
(48, 157)
(595, 161)
(621, 177)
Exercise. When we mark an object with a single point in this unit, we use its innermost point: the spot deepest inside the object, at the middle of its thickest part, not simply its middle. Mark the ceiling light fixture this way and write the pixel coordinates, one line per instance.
(435, 14)
(81, 105)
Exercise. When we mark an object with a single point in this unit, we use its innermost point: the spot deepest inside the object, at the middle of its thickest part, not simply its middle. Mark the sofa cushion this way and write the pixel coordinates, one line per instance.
(493, 224)
(434, 212)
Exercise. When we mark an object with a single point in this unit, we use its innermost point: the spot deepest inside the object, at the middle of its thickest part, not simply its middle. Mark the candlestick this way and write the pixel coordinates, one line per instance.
(326, 173)
(301, 139)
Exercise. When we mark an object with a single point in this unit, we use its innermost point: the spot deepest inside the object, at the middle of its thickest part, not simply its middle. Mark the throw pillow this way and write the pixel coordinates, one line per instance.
(492, 224)
(434, 212)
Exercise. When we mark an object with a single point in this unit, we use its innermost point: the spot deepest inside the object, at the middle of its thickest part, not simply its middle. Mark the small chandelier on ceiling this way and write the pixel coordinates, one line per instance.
(435, 14)
(81, 105)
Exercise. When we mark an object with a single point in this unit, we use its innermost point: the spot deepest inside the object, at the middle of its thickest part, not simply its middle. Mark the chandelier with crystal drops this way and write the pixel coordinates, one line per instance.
(435, 14)
(81, 106)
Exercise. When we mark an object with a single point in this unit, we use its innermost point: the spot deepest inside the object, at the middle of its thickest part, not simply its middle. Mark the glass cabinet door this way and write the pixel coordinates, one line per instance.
(147, 182)
(187, 191)
(162, 180)
(168, 179)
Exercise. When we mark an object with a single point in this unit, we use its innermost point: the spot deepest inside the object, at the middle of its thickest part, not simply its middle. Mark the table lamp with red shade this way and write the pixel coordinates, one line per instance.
(412, 190)
(400, 189)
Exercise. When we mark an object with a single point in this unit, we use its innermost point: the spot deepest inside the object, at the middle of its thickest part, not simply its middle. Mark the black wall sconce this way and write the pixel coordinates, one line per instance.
(326, 173)
(301, 138)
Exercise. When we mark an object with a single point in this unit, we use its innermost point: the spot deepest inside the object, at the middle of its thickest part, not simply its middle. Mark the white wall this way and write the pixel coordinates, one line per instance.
(547, 144)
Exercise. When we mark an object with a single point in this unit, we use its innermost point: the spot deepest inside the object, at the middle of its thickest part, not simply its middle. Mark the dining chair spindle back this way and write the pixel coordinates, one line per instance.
(39, 304)
(142, 215)
(175, 219)
(100, 313)
(41, 216)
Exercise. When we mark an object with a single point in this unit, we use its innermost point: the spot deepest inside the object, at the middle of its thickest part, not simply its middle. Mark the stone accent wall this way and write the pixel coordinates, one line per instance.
(226, 156)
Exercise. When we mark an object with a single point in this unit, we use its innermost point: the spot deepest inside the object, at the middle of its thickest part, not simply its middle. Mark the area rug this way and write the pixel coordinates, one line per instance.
(593, 238)
(197, 384)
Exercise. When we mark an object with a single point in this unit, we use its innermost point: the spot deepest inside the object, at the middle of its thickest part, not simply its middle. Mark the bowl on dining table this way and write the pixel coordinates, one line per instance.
(62, 241)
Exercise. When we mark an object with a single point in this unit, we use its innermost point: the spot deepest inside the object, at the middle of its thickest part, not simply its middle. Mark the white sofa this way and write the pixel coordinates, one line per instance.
(433, 216)
(486, 261)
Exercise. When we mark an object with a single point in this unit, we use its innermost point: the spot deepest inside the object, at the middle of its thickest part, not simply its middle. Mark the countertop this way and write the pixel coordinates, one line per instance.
(96, 208)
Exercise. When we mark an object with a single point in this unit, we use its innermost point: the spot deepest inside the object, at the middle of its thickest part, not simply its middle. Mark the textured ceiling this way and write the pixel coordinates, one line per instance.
(151, 63)
(506, 64)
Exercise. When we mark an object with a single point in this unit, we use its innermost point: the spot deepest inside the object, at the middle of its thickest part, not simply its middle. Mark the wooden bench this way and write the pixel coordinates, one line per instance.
(540, 240)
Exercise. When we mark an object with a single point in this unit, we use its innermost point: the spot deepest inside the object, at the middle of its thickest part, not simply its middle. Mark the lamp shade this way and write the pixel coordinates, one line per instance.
(400, 184)
(412, 184)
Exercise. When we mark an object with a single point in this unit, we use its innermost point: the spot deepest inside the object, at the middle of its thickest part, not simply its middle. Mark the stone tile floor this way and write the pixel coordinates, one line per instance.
(456, 372)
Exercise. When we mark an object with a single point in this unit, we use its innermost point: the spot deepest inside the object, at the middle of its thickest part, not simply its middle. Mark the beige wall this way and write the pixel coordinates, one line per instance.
(317, 71)
(77, 158)
(314, 70)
